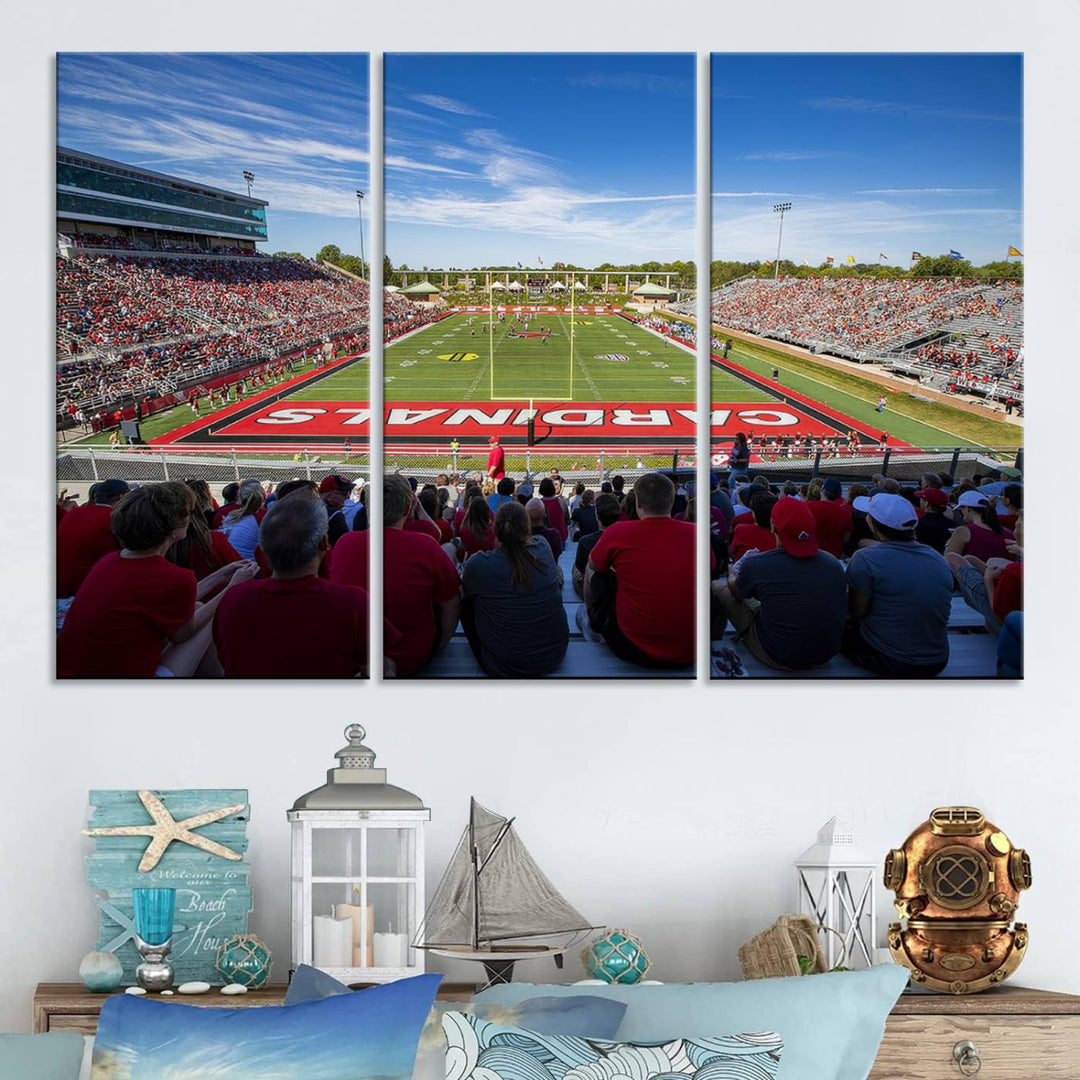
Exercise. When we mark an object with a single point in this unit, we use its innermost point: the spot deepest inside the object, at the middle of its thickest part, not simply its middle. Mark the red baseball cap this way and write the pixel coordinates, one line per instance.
(934, 496)
(493, 439)
(795, 528)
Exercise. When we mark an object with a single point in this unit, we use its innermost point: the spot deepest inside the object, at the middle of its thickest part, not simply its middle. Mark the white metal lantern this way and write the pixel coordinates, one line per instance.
(836, 884)
(358, 872)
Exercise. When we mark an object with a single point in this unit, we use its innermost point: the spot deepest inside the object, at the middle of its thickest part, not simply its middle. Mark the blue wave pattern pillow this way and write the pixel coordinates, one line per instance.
(832, 1024)
(479, 1050)
(591, 1016)
(372, 1034)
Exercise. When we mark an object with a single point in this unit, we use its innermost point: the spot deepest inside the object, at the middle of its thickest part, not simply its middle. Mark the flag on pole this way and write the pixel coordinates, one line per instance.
(829, 259)
(882, 255)
(955, 254)
(916, 256)
(851, 260)
(1014, 251)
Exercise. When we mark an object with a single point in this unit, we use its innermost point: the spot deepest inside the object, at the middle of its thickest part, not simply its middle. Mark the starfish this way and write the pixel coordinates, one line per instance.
(166, 829)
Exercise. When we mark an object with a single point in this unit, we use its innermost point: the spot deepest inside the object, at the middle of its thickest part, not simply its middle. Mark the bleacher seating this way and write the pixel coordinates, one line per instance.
(972, 653)
(131, 324)
(584, 659)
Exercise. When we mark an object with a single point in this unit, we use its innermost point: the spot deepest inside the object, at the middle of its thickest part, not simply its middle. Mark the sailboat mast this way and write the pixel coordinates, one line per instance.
(474, 855)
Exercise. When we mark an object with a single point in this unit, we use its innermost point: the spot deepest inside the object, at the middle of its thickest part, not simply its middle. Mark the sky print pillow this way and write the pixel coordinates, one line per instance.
(479, 1050)
(594, 1017)
(372, 1034)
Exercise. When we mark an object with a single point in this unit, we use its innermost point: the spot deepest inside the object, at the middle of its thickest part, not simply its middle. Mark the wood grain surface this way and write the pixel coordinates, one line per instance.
(1009, 1047)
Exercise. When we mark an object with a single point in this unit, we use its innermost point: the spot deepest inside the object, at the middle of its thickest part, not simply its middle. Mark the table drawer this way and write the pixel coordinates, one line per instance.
(84, 1024)
(1009, 1047)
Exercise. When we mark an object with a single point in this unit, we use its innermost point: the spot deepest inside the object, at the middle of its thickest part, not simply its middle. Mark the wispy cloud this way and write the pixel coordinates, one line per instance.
(897, 108)
(447, 104)
(820, 226)
(928, 191)
(786, 155)
(651, 84)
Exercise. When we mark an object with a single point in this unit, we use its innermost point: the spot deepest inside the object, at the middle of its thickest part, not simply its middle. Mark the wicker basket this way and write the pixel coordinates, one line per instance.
(775, 952)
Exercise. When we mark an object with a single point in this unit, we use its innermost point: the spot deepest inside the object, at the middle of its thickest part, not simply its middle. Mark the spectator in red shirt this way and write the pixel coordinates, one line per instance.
(832, 518)
(537, 512)
(293, 624)
(421, 588)
(759, 535)
(477, 528)
(496, 465)
(639, 587)
(556, 508)
(993, 588)
(85, 535)
(137, 615)
(229, 494)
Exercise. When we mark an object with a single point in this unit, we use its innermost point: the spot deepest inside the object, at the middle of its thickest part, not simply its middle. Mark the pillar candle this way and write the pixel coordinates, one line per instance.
(391, 951)
(333, 942)
(352, 912)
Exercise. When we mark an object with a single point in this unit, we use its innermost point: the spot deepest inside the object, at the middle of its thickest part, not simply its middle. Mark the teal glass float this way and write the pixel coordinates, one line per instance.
(101, 972)
(616, 957)
(244, 960)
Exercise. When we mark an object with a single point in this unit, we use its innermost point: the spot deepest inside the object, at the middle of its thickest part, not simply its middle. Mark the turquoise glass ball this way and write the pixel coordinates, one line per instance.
(617, 957)
(244, 959)
(101, 972)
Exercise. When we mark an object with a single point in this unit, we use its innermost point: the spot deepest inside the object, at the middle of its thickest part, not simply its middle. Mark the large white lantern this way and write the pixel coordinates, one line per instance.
(836, 886)
(358, 872)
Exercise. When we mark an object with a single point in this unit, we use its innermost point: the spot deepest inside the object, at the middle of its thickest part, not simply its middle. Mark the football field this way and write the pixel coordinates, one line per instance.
(607, 359)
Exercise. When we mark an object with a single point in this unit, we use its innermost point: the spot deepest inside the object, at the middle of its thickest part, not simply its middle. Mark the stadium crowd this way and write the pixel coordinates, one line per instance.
(133, 329)
(162, 580)
(804, 572)
(856, 313)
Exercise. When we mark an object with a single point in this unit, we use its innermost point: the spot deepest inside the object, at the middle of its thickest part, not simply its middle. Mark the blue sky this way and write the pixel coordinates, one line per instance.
(567, 157)
(298, 121)
(878, 153)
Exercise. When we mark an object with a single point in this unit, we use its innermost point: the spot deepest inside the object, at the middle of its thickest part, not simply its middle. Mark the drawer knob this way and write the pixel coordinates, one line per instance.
(966, 1056)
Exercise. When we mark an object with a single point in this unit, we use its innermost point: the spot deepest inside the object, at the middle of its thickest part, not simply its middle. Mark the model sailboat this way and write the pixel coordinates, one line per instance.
(494, 902)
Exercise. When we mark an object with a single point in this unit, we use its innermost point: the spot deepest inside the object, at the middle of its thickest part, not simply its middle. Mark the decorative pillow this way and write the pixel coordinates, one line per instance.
(832, 1024)
(479, 1050)
(55, 1056)
(340, 1038)
(593, 1017)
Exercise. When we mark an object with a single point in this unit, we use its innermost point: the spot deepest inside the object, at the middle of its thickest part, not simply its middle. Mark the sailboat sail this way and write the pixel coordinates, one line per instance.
(495, 893)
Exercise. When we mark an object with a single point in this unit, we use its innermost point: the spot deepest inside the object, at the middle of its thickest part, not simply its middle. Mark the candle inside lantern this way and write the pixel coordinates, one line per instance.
(352, 913)
(391, 950)
(333, 942)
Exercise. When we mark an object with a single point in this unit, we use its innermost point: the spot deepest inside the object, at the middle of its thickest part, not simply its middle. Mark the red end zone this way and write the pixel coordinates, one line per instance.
(446, 420)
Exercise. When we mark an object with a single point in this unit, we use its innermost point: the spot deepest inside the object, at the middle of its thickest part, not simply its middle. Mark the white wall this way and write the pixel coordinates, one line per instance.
(679, 817)
(673, 809)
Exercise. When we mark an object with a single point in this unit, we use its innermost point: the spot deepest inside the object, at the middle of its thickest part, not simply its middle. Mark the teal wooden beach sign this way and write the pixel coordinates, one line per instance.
(193, 841)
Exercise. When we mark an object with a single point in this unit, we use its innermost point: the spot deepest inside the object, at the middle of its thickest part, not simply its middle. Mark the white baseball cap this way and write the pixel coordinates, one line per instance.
(892, 511)
(974, 498)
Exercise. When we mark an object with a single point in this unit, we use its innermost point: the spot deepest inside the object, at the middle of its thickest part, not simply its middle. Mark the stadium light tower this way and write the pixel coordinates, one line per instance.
(780, 208)
(249, 178)
(360, 205)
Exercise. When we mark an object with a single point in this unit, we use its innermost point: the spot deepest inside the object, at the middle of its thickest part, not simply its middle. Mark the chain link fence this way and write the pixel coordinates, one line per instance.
(590, 466)
(148, 464)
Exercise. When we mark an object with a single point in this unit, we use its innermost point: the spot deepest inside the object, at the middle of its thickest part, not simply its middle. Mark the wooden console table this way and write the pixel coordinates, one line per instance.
(71, 1007)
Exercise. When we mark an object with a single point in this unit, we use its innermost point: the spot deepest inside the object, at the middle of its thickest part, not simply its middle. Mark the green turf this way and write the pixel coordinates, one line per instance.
(920, 423)
(529, 368)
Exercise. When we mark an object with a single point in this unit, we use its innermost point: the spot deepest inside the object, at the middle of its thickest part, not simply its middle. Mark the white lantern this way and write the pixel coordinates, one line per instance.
(836, 884)
(358, 872)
